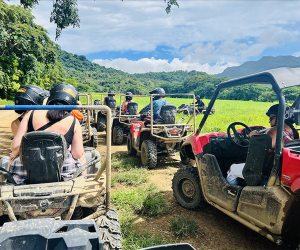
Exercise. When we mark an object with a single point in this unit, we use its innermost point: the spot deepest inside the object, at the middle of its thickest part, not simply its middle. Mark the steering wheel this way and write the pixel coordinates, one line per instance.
(240, 139)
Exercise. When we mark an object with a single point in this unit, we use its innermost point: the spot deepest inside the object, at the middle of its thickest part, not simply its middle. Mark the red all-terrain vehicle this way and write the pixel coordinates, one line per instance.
(152, 138)
(272, 209)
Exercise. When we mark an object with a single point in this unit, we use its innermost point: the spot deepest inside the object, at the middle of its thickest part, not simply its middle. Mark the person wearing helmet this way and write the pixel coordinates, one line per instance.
(290, 133)
(27, 95)
(110, 95)
(199, 104)
(52, 120)
(128, 99)
(158, 102)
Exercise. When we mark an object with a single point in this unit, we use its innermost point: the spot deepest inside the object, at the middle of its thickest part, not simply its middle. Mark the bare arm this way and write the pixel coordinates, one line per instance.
(14, 127)
(272, 132)
(77, 150)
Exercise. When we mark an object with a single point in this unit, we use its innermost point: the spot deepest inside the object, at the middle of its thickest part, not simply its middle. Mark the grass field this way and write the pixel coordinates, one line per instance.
(227, 111)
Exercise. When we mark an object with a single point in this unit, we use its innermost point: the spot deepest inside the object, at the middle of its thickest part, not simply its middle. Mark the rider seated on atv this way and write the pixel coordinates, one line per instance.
(52, 120)
(110, 95)
(199, 104)
(158, 102)
(290, 132)
(27, 95)
(128, 99)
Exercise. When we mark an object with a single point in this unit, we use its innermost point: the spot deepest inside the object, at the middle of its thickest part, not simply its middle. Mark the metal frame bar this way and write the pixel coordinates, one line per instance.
(80, 107)
(164, 125)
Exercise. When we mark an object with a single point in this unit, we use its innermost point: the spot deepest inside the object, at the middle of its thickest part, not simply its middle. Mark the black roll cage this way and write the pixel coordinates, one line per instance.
(278, 78)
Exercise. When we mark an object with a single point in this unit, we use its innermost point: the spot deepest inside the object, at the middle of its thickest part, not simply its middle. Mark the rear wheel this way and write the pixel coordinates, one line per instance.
(149, 154)
(109, 228)
(131, 151)
(187, 189)
(101, 123)
(117, 136)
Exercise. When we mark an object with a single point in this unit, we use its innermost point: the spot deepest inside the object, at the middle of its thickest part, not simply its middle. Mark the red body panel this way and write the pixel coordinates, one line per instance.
(136, 129)
(290, 168)
(198, 141)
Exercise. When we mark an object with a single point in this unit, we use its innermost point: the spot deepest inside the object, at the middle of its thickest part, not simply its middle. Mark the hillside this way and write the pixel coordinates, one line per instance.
(265, 63)
(90, 76)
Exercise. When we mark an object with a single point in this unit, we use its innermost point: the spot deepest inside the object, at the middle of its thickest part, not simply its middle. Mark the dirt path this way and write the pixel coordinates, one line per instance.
(217, 230)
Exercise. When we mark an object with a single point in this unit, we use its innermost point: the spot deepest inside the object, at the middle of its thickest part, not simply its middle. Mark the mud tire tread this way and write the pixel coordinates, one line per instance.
(131, 151)
(189, 174)
(149, 159)
(117, 135)
(101, 124)
(109, 229)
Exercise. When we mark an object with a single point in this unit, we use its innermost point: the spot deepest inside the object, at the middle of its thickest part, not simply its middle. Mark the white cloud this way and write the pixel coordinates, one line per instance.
(152, 65)
(202, 35)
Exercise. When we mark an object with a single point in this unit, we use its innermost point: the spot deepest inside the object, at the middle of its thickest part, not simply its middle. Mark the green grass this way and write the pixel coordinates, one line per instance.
(182, 226)
(134, 176)
(121, 161)
(145, 200)
(6, 102)
(132, 238)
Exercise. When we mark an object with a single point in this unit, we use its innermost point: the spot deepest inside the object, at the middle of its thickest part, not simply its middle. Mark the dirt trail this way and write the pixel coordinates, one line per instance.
(217, 230)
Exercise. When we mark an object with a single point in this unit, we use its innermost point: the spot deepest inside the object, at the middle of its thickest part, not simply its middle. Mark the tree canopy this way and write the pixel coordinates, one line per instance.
(27, 55)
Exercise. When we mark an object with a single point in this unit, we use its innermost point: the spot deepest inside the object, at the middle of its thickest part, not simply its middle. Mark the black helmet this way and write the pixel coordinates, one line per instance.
(128, 97)
(63, 93)
(197, 97)
(29, 95)
(160, 91)
(273, 110)
(111, 93)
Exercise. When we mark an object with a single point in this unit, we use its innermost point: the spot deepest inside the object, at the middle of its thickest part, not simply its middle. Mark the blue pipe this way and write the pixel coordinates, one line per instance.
(38, 107)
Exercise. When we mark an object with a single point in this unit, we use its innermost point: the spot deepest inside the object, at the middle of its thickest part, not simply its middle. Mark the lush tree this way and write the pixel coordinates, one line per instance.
(27, 55)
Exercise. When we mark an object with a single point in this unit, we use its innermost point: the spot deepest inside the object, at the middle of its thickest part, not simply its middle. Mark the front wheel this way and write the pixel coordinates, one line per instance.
(101, 123)
(117, 135)
(187, 189)
(131, 151)
(109, 228)
(149, 154)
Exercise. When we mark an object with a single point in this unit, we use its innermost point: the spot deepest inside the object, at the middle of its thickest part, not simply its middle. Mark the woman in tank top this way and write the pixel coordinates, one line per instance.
(55, 120)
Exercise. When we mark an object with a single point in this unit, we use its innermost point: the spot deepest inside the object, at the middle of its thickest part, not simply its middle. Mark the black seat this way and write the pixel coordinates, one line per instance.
(132, 108)
(43, 154)
(168, 113)
(111, 102)
(256, 161)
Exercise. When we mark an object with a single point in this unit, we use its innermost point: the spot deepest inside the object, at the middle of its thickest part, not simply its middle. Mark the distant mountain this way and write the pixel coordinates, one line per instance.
(265, 63)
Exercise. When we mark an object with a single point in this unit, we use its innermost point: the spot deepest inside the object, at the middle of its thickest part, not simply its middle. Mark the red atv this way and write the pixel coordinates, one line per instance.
(161, 137)
(272, 209)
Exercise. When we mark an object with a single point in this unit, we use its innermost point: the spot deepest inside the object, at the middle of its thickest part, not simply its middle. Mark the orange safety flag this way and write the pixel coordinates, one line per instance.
(77, 114)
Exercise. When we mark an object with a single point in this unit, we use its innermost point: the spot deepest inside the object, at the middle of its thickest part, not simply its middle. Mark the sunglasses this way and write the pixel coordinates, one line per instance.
(272, 117)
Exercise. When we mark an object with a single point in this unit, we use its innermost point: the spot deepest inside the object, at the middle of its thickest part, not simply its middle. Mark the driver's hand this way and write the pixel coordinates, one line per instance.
(254, 132)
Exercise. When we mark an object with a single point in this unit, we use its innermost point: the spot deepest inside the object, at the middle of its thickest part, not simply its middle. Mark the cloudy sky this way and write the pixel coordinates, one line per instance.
(138, 36)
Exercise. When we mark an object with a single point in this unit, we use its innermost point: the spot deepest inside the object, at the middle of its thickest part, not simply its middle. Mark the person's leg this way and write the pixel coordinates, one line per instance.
(235, 171)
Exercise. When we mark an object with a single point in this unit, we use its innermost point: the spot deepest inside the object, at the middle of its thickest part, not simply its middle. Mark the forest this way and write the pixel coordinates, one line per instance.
(28, 56)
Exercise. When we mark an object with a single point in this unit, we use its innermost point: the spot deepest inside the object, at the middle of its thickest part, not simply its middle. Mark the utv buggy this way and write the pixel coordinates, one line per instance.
(122, 123)
(164, 137)
(101, 116)
(89, 132)
(79, 208)
(189, 109)
(272, 209)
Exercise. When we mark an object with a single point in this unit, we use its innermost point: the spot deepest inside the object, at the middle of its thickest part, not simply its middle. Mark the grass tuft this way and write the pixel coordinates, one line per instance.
(145, 200)
(134, 177)
(124, 162)
(182, 226)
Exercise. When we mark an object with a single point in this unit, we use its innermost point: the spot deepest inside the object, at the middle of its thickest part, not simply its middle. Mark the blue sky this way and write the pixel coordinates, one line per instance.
(138, 36)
